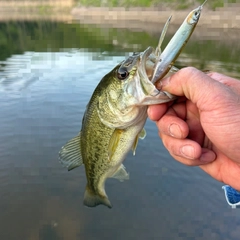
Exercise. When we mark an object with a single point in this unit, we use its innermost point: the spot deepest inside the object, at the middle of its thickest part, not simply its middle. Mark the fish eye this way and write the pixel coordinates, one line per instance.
(122, 74)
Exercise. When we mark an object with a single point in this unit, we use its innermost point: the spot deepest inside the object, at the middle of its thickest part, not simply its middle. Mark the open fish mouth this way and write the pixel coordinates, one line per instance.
(147, 63)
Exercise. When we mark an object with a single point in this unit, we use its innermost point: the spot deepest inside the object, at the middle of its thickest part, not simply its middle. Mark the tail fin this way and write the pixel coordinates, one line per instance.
(92, 200)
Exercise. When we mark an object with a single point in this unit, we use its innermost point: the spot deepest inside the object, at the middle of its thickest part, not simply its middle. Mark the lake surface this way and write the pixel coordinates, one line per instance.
(48, 72)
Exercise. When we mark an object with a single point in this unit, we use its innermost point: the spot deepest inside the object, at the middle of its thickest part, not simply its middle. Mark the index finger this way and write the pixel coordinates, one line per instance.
(155, 112)
(195, 85)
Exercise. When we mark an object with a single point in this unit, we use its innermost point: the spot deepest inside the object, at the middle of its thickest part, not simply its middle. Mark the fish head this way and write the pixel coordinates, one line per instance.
(130, 86)
(128, 89)
(136, 74)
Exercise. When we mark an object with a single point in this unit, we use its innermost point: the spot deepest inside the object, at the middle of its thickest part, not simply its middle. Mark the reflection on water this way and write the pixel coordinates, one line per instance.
(43, 95)
(19, 71)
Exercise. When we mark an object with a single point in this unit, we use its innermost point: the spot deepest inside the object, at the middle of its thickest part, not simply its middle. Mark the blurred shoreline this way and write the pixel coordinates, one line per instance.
(228, 17)
(32, 10)
(222, 24)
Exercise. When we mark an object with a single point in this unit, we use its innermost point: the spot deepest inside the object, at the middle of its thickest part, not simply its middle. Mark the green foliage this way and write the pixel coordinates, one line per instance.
(116, 3)
(175, 4)
(137, 3)
(94, 3)
(213, 4)
(44, 9)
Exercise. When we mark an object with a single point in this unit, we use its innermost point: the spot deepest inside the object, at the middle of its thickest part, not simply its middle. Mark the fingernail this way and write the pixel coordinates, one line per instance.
(207, 156)
(166, 81)
(174, 130)
(187, 151)
(162, 83)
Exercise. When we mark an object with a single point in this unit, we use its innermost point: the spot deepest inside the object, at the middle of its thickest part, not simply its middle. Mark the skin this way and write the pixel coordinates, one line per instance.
(202, 128)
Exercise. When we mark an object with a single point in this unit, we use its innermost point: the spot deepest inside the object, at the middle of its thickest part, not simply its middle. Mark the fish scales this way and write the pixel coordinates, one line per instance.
(95, 136)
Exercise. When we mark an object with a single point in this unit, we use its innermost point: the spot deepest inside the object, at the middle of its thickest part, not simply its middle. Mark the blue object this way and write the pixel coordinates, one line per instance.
(232, 196)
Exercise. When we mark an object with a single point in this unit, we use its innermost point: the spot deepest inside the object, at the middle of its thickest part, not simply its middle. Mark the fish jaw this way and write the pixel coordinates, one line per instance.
(141, 89)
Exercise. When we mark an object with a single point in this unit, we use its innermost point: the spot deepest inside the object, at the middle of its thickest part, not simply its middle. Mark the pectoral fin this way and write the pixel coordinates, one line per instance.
(141, 135)
(70, 154)
(113, 143)
(121, 174)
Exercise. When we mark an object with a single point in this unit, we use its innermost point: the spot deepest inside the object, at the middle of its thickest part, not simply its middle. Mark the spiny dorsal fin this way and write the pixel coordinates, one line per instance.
(113, 143)
(70, 153)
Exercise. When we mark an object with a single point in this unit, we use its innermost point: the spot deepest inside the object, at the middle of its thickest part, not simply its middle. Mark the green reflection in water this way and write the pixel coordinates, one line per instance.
(18, 37)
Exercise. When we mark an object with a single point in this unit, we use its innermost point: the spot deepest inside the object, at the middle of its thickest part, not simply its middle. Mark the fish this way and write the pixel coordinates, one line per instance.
(115, 116)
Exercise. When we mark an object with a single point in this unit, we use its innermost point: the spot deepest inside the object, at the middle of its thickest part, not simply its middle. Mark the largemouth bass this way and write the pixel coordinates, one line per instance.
(117, 111)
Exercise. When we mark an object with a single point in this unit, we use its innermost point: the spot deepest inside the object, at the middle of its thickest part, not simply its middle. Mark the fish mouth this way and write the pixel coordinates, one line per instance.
(145, 70)
(147, 64)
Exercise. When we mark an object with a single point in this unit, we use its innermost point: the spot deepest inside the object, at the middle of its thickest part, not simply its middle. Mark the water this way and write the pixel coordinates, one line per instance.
(46, 80)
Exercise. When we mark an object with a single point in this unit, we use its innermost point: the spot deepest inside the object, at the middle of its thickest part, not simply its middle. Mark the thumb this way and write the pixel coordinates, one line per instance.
(195, 85)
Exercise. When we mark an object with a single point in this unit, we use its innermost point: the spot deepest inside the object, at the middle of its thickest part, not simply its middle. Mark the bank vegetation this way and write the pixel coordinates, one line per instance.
(157, 4)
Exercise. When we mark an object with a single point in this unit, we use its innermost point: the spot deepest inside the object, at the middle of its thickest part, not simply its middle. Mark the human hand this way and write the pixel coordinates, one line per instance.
(203, 127)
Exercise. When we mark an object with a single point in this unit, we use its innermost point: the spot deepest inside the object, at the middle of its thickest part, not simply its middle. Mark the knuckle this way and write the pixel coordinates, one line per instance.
(170, 144)
(187, 72)
(185, 161)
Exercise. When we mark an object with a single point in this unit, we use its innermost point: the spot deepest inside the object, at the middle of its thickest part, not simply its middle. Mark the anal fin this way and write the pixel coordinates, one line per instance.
(121, 174)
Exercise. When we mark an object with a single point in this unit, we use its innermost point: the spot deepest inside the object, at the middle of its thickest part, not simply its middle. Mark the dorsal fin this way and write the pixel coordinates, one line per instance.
(70, 154)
